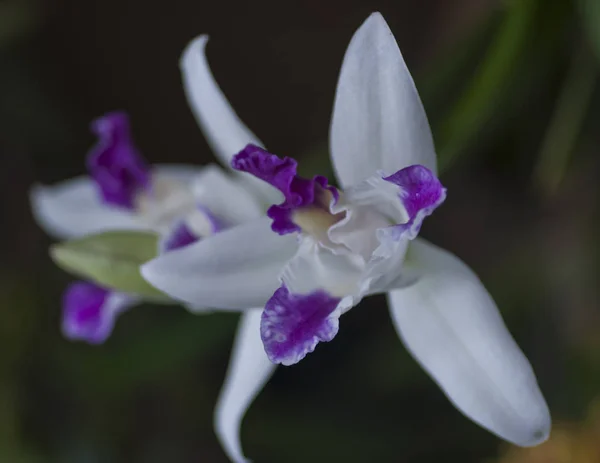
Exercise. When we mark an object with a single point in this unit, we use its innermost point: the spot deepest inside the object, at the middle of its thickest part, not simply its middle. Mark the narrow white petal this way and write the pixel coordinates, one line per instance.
(73, 208)
(234, 269)
(450, 324)
(223, 129)
(249, 370)
(226, 198)
(378, 119)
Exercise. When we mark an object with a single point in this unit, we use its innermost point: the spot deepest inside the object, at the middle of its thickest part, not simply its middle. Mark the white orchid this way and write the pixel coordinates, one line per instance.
(182, 203)
(326, 249)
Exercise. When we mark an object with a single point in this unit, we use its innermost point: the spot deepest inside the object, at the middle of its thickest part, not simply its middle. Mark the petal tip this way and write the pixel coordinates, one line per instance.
(196, 45)
(148, 271)
(539, 432)
(533, 428)
(376, 16)
(375, 20)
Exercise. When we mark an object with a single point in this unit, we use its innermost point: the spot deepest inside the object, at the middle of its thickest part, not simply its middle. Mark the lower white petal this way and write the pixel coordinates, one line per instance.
(73, 208)
(452, 327)
(234, 269)
(249, 370)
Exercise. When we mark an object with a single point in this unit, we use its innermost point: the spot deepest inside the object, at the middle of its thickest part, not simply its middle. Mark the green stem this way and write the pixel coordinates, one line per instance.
(489, 84)
(565, 125)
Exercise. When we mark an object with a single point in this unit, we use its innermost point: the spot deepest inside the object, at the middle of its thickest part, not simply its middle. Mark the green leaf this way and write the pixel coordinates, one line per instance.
(490, 84)
(111, 259)
(566, 123)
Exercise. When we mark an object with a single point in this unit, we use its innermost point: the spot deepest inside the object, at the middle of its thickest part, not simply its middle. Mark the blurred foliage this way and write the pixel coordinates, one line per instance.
(563, 130)
(590, 15)
(18, 18)
(512, 102)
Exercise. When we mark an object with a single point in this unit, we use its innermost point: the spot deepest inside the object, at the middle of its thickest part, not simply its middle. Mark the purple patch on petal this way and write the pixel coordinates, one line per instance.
(298, 192)
(293, 324)
(421, 193)
(216, 224)
(89, 312)
(114, 163)
(180, 236)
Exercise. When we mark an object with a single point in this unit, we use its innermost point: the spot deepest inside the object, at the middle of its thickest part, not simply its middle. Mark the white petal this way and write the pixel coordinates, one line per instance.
(234, 269)
(315, 267)
(225, 132)
(225, 198)
(73, 208)
(181, 173)
(249, 370)
(378, 119)
(450, 324)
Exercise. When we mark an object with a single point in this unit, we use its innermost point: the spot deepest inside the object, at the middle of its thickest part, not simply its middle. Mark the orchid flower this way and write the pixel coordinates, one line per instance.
(183, 204)
(322, 249)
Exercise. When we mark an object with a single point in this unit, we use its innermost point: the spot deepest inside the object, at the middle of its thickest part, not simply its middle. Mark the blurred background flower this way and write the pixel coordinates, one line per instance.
(510, 88)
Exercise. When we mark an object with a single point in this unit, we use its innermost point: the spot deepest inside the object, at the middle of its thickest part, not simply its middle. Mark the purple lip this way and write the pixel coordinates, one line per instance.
(115, 164)
(298, 192)
(293, 324)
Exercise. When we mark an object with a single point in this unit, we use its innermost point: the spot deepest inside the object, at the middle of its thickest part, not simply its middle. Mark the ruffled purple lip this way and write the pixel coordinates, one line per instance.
(293, 324)
(115, 164)
(298, 192)
(421, 193)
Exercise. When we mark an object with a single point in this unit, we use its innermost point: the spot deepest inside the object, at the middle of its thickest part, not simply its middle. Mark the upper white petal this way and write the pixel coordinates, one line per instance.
(224, 197)
(234, 269)
(184, 174)
(378, 119)
(74, 208)
(249, 370)
(223, 129)
(450, 324)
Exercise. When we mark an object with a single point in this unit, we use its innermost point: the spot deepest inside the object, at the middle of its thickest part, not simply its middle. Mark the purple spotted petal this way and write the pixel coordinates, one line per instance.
(293, 324)
(182, 235)
(298, 192)
(216, 224)
(179, 236)
(89, 311)
(421, 193)
(114, 163)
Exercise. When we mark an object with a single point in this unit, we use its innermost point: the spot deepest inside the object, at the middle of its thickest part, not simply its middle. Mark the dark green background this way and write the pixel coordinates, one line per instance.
(509, 90)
